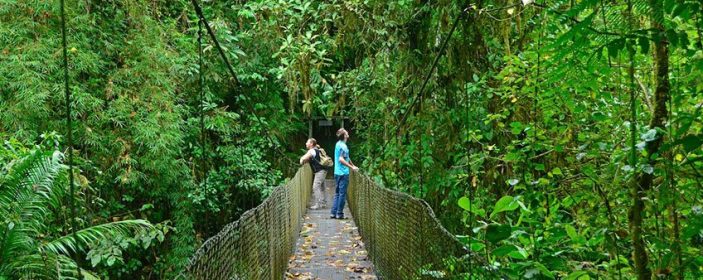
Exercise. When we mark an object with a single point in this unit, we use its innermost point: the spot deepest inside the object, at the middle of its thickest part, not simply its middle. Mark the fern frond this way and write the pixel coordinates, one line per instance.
(29, 192)
(45, 266)
(67, 244)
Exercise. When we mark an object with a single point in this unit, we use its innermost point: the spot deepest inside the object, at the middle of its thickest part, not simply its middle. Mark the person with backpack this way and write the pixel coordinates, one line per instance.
(342, 164)
(319, 162)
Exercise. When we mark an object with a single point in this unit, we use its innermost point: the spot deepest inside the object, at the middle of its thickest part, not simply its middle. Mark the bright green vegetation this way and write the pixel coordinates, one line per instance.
(32, 201)
(559, 139)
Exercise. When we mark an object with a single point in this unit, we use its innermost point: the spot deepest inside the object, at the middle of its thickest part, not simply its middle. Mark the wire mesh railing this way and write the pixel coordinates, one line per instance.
(403, 237)
(256, 246)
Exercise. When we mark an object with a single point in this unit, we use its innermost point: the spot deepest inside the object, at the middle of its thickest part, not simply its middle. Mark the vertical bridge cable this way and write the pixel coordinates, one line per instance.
(468, 181)
(69, 132)
(434, 65)
(201, 105)
(418, 99)
(535, 124)
(236, 83)
(427, 76)
(201, 111)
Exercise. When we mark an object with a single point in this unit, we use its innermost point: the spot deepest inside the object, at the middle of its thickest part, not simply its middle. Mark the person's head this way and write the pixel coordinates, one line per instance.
(342, 135)
(311, 143)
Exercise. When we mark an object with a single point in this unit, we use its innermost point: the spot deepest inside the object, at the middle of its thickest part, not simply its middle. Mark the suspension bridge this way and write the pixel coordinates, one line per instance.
(402, 236)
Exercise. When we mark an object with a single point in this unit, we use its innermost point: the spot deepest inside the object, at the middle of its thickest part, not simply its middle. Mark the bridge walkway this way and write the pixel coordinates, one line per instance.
(329, 249)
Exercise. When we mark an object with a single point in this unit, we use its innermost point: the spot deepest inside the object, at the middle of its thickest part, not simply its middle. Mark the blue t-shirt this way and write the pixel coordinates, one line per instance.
(341, 150)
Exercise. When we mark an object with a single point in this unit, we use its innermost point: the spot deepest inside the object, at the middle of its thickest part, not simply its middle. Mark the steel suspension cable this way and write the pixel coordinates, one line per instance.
(417, 99)
(201, 112)
(670, 177)
(201, 105)
(69, 132)
(236, 83)
(427, 76)
(610, 216)
(202, 19)
(469, 181)
(633, 112)
(535, 127)
(429, 73)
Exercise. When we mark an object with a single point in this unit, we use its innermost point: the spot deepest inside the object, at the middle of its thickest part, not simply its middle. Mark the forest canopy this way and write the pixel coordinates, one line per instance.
(558, 139)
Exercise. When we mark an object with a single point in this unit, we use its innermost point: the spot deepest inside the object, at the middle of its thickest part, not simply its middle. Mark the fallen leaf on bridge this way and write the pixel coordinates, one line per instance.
(329, 250)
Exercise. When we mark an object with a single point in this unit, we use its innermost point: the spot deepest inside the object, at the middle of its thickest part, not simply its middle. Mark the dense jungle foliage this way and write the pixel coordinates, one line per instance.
(560, 139)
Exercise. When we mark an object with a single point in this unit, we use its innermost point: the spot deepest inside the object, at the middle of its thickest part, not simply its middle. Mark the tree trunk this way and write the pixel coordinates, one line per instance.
(643, 181)
(676, 242)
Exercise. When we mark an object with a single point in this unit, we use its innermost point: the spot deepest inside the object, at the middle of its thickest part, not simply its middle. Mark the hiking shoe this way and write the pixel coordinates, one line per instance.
(333, 217)
(341, 217)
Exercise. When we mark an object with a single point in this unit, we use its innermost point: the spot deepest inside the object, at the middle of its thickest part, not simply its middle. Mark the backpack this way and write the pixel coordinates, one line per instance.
(325, 160)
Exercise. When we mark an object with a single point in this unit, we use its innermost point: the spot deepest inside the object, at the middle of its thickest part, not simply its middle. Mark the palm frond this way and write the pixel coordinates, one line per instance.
(46, 266)
(28, 190)
(67, 244)
(28, 194)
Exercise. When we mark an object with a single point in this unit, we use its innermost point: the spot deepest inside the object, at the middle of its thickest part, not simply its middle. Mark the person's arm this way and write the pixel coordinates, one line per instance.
(307, 156)
(348, 164)
(356, 168)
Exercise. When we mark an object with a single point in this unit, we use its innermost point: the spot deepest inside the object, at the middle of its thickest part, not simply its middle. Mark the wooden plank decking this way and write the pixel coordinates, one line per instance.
(329, 249)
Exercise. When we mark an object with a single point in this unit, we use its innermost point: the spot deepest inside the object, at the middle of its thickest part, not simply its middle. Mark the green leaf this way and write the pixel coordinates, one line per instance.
(578, 275)
(544, 270)
(571, 231)
(497, 232)
(95, 260)
(506, 203)
(691, 142)
(669, 5)
(615, 46)
(539, 167)
(504, 250)
(576, 238)
(477, 246)
(519, 254)
(644, 44)
(678, 10)
(650, 135)
(598, 116)
(557, 171)
(516, 127)
(465, 204)
(672, 36)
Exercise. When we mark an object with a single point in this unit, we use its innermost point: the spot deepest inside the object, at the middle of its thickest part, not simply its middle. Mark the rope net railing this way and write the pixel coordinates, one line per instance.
(403, 237)
(256, 246)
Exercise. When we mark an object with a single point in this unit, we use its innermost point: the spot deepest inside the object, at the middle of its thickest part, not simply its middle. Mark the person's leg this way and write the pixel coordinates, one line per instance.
(316, 189)
(343, 183)
(333, 212)
(323, 192)
(316, 182)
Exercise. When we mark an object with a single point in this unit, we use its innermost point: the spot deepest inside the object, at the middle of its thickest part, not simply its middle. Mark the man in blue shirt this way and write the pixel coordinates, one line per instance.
(342, 164)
